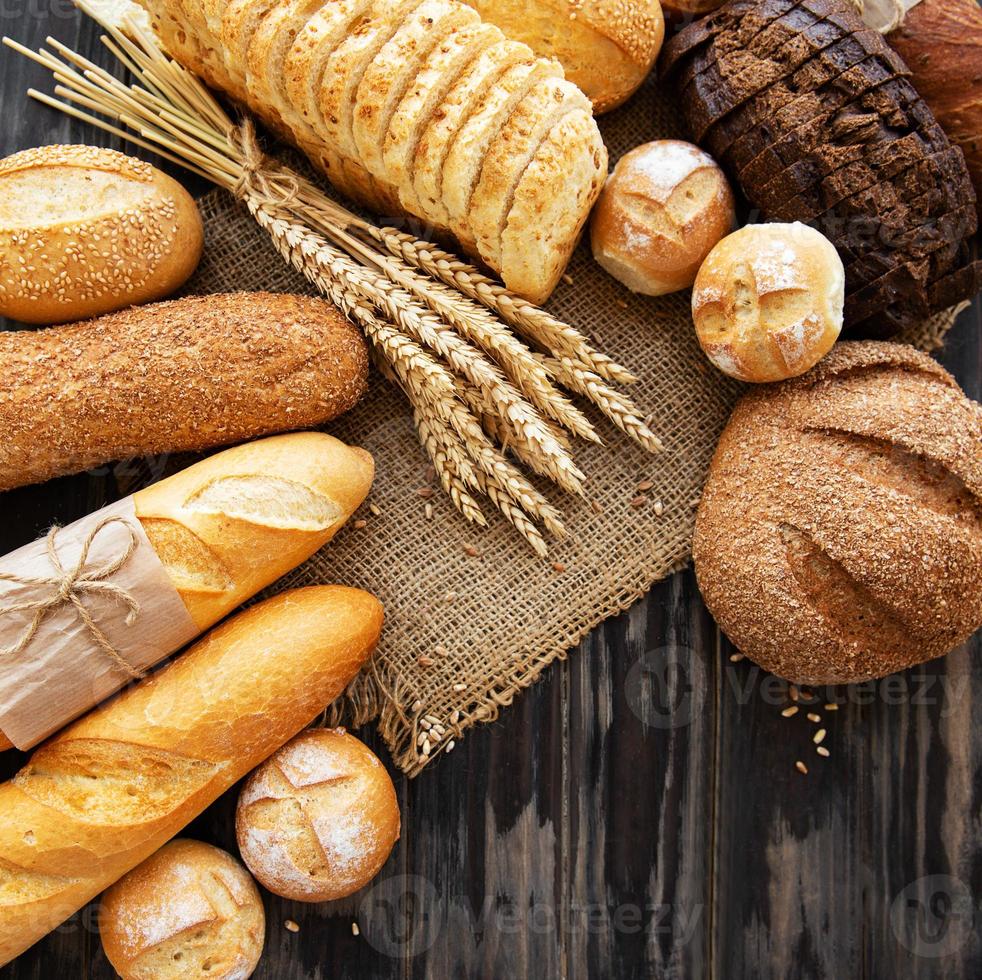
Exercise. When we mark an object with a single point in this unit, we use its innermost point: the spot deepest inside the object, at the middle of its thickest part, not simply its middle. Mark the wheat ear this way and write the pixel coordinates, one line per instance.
(535, 323)
(618, 408)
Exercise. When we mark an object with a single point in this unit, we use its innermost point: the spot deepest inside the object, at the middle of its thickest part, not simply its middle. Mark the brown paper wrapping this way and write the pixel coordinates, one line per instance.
(63, 671)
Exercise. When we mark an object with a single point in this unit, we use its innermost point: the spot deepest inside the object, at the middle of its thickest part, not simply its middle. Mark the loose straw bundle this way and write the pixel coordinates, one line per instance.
(439, 329)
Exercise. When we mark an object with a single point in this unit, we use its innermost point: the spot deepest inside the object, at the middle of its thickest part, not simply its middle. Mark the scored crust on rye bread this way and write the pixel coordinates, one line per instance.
(763, 152)
(839, 537)
(797, 97)
(775, 52)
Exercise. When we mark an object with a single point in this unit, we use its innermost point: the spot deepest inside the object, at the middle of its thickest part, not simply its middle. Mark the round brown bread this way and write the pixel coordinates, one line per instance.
(767, 302)
(189, 910)
(662, 210)
(84, 231)
(839, 537)
(317, 821)
(190, 374)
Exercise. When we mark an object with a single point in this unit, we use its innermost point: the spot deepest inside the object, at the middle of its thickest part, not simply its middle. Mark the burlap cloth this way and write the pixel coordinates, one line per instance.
(465, 634)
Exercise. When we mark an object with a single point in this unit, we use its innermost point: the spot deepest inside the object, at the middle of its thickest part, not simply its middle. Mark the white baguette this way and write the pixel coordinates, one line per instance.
(109, 790)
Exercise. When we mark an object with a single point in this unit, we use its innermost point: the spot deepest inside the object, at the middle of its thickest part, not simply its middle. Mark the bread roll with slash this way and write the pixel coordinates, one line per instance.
(107, 792)
(188, 910)
(318, 820)
(279, 499)
(84, 231)
(185, 375)
(663, 209)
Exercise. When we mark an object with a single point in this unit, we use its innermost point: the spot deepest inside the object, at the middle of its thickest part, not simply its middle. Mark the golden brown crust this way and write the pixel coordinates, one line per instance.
(179, 739)
(662, 210)
(607, 47)
(317, 821)
(327, 93)
(767, 302)
(283, 497)
(184, 375)
(188, 910)
(84, 231)
(839, 537)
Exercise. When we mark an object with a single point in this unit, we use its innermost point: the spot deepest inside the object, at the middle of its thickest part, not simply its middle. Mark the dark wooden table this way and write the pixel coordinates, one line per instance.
(637, 813)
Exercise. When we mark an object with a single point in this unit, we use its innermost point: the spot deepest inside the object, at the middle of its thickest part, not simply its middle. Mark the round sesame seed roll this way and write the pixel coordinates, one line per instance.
(84, 231)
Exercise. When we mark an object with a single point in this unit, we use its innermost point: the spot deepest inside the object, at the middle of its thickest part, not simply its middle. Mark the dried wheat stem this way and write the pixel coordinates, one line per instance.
(466, 360)
(447, 441)
(618, 408)
(453, 486)
(472, 321)
(477, 402)
(541, 327)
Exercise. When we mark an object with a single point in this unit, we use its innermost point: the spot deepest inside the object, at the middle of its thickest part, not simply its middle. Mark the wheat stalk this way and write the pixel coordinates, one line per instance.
(436, 325)
(535, 323)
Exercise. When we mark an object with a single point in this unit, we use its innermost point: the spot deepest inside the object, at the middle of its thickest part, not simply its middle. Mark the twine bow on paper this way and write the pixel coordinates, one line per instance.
(69, 587)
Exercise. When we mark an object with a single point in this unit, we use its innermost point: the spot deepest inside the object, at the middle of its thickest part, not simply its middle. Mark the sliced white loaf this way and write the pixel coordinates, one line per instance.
(402, 103)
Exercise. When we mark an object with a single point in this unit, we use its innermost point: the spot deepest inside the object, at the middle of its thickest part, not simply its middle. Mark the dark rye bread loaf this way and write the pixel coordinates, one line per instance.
(766, 150)
(798, 96)
(832, 133)
(839, 537)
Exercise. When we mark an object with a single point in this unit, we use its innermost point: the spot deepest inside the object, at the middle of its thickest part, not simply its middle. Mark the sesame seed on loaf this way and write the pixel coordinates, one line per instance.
(839, 537)
(189, 374)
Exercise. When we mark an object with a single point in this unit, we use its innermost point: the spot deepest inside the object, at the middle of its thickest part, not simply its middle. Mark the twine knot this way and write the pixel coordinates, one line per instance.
(262, 180)
(69, 587)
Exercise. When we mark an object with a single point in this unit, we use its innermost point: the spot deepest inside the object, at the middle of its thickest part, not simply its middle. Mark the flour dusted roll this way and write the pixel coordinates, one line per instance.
(185, 375)
(108, 791)
(188, 910)
(317, 821)
(85, 230)
(664, 207)
(767, 302)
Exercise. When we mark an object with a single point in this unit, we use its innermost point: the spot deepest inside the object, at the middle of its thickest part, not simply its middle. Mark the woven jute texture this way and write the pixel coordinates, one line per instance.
(465, 634)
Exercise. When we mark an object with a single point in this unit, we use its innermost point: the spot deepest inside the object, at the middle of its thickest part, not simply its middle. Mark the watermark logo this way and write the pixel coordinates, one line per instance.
(666, 687)
(401, 916)
(933, 916)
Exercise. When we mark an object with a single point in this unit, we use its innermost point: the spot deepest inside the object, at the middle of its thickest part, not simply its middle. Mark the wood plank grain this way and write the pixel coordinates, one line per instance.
(641, 750)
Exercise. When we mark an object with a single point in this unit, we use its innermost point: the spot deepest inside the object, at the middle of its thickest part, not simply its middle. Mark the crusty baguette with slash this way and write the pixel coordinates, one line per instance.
(185, 375)
(109, 790)
(282, 498)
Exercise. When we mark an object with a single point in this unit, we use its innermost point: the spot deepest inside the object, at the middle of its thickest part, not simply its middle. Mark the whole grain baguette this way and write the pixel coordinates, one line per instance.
(104, 794)
(84, 231)
(185, 375)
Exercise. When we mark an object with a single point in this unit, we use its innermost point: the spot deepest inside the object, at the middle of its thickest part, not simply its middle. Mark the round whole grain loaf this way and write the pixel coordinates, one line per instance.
(839, 537)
